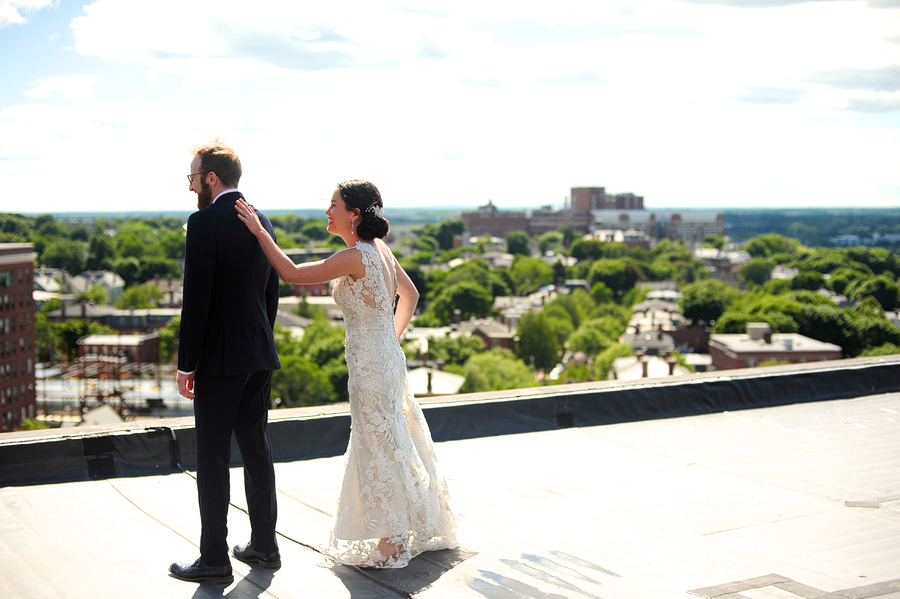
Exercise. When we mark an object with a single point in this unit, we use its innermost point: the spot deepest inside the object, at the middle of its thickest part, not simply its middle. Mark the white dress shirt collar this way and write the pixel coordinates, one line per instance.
(223, 193)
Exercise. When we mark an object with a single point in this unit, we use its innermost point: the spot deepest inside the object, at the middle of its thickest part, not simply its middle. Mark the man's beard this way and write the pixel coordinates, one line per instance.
(204, 196)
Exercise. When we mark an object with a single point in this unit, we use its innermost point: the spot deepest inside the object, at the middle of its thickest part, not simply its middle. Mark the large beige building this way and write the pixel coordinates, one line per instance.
(591, 209)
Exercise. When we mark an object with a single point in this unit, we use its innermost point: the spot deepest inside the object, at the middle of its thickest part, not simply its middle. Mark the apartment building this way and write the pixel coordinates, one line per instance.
(17, 393)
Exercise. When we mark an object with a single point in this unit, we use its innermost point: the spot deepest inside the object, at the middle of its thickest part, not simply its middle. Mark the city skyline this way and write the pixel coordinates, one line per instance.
(699, 104)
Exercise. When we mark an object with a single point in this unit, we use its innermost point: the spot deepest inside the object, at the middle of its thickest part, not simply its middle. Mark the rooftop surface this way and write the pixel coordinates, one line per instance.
(786, 343)
(799, 500)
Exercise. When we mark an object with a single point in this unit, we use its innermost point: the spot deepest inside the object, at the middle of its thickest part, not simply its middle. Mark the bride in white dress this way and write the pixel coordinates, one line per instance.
(393, 501)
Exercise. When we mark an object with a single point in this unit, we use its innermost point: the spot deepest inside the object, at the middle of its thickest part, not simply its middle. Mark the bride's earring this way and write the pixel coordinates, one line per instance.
(352, 227)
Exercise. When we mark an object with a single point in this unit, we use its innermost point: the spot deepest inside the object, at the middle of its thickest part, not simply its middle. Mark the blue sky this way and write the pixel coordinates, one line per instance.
(690, 103)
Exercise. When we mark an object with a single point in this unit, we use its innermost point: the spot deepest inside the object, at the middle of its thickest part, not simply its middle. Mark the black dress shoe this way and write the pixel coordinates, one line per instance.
(248, 555)
(200, 572)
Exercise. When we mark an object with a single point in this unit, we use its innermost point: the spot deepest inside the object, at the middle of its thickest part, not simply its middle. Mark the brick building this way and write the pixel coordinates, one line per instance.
(759, 345)
(489, 220)
(143, 349)
(17, 392)
(587, 199)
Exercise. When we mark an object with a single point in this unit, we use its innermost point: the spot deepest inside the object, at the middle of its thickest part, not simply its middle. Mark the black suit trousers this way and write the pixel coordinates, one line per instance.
(224, 405)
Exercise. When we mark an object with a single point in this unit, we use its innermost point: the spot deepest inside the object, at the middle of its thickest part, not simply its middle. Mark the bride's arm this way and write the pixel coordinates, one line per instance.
(336, 266)
(409, 297)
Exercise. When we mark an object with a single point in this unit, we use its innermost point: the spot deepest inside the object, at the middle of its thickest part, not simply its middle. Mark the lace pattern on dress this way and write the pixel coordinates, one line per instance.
(392, 487)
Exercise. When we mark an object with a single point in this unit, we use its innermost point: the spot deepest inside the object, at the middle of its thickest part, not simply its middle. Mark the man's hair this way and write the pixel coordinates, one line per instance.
(220, 159)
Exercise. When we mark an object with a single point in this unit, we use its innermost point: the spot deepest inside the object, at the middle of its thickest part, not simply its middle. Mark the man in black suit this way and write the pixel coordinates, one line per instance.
(226, 355)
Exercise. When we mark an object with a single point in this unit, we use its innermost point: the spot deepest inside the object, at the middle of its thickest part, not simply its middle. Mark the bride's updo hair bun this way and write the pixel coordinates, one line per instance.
(366, 198)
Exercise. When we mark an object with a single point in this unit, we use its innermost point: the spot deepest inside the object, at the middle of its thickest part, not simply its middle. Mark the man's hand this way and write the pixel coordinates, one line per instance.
(186, 385)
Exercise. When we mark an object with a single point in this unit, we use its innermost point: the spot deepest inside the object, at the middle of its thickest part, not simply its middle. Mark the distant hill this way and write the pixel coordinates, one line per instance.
(815, 227)
(398, 215)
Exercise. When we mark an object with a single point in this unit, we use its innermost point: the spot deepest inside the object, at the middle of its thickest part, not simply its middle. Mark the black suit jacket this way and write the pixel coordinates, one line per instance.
(230, 295)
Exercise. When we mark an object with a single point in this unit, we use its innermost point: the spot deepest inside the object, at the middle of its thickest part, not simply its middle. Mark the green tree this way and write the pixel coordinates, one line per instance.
(590, 338)
(153, 267)
(79, 233)
(881, 287)
(888, 349)
(470, 298)
(618, 275)
(287, 222)
(876, 332)
(538, 344)
(496, 370)
(662, 269)
(530, 274)
(560, 273)
(168, 340)
(517, 243)
(13, 228)
(869, 307)
(315, 229)
(714, 241)
(442, 234)
(129, 269)
(764, 246)
(140, 297)
(300, 382)
(134, 240)
(66, 335)
(64, 253)
(879, 260)
(830, 324)
(549, 240)
(586, 249)
(171, 243)
(96, 294)
(601, 293)
(32, 424)
(757, 271)
(50, 228)
(808, 279)
(843, 278)
(101, 251)
(578, 304)
(559, 321)
(45, 343)
(778, 286)
(603, 362)
(829, 260)
(454, 350)
(323, 344)
(782, 312)
(568, 235)
(707, 300)
(477, 270)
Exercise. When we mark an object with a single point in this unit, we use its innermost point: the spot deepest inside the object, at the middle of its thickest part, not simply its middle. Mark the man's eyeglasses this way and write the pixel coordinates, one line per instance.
(192, 175)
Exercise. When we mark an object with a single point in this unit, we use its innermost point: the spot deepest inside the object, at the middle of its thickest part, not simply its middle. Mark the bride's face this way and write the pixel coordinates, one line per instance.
(339, 217)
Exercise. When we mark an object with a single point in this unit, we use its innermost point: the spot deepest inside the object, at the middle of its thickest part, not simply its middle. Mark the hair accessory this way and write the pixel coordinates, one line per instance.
(376, 210)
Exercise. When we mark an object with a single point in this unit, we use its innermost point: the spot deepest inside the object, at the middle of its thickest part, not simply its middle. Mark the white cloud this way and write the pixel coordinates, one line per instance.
(11, 10)
(441, 102)
(65, 86)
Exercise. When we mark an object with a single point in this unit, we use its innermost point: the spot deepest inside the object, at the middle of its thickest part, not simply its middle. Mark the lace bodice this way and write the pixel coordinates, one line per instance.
(368, 302)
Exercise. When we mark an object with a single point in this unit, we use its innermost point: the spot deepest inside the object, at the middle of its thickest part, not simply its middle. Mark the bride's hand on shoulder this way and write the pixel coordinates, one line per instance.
(249, 218)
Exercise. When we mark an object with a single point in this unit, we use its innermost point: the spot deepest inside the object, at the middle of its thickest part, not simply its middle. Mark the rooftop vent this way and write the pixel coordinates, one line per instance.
(757, 330)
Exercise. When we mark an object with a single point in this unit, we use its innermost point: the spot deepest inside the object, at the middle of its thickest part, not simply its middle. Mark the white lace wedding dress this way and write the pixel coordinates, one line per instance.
(392, 486)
